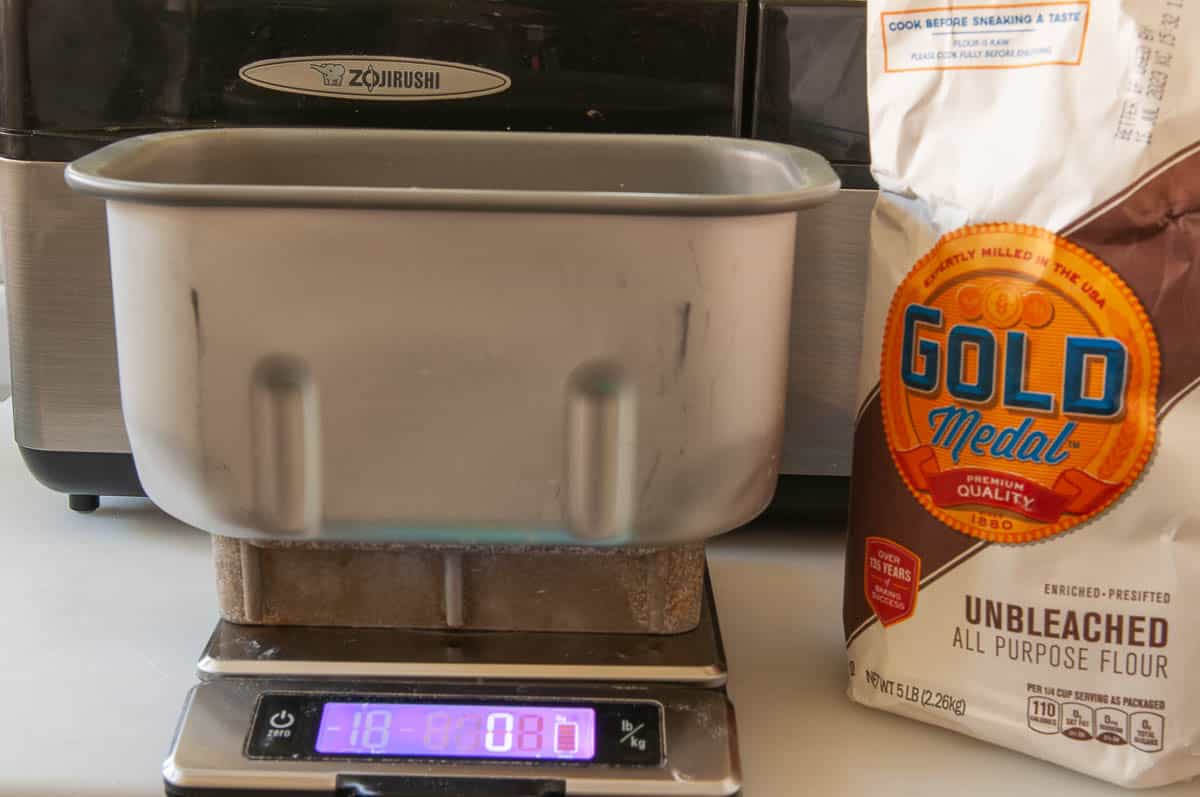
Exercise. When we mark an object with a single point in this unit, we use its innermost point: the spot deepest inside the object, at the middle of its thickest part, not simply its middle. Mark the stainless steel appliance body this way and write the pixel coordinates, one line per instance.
(67, 408)
(810, 90)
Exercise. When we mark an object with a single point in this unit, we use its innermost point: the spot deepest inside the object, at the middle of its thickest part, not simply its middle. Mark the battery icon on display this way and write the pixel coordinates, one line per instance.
(566, 736)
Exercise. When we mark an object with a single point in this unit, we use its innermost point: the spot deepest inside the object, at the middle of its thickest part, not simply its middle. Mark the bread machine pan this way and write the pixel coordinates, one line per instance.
(378, 335)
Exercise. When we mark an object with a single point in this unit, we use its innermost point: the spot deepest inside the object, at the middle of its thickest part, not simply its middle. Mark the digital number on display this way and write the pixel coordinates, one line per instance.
(434, 730)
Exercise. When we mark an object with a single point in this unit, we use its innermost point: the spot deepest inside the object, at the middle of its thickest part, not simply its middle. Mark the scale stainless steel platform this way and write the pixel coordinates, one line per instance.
(283, 711)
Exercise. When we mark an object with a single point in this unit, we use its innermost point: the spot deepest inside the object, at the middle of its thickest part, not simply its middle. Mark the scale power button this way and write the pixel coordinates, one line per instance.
(282, 726)
(282, 719)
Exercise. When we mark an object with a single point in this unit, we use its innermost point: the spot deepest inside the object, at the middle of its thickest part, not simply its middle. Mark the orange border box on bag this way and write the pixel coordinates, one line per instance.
(1010, 36)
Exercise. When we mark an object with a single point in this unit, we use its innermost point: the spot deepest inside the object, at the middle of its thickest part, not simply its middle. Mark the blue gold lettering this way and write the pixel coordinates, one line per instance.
(982, 437)
(964, 422)
(1113, 359)
(1031, 447)
(955, 428)
(1015, 394)
(925, 380)
(961, 336)
(1056, 455)
(1007, 440)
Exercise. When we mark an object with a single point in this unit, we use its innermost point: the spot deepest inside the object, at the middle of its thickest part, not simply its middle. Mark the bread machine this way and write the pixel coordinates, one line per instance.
(75, 75)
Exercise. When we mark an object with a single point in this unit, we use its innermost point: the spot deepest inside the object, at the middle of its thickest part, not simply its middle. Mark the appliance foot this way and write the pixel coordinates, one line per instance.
(84, 503)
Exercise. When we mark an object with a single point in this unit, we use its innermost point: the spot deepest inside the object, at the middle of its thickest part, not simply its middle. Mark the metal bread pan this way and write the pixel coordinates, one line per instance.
(390, 336)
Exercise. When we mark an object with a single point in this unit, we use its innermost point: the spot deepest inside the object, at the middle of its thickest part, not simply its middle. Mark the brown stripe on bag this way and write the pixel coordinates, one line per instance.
(883, 506)
(1151, 237)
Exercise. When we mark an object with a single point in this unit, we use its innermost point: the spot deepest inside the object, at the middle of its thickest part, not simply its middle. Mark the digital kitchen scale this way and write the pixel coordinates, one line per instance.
(288, 710)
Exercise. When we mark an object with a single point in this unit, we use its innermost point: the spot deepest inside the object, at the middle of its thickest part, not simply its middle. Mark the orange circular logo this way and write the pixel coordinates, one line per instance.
(1019, 383)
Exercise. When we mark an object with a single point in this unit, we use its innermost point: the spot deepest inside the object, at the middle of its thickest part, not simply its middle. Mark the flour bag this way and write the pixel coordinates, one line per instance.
(1024, 550)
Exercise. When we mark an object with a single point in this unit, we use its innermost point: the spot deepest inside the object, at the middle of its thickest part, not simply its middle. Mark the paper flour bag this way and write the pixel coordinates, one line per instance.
(1024, 553)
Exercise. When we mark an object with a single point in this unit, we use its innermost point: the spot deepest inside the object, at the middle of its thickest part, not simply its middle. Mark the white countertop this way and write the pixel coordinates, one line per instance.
(105, 614)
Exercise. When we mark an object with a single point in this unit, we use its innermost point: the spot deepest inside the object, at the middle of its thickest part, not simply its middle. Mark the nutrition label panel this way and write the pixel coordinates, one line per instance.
(1087, 717)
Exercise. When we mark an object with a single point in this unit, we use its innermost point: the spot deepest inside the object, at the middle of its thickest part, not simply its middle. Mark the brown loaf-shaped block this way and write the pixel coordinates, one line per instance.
(528, 588)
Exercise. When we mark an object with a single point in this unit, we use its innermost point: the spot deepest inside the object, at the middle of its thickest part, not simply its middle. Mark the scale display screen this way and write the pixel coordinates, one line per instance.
(443, 730)
(319, 726)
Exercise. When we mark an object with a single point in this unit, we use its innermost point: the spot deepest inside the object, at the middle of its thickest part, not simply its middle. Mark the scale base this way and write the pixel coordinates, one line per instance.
(230, 742)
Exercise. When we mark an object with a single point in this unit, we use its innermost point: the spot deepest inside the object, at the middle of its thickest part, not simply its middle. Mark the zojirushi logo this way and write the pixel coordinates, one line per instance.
(1018, 383)
(371, 78)
(378, 77)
